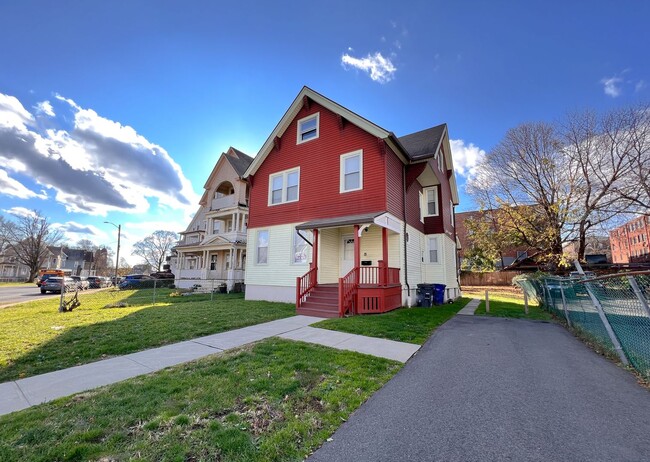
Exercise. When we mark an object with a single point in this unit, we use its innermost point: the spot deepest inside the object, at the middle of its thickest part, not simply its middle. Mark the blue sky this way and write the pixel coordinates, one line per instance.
(129, 104)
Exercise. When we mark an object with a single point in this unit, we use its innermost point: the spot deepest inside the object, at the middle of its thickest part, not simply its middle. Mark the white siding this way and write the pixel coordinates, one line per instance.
(279, 271)
(328, 258)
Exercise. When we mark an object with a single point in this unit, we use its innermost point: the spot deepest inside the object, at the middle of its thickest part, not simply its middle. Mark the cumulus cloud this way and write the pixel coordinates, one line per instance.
(466, 157)
(77, 228)
(14, 188)
(612, 86)
(20, 212)
(45, 107)
(96, 167)
(379, 68)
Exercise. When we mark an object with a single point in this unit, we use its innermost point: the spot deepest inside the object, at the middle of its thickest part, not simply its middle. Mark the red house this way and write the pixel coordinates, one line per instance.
(347, 218)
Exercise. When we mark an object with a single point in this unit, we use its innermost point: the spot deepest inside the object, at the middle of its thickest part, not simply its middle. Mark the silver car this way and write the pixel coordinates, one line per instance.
(53, 284)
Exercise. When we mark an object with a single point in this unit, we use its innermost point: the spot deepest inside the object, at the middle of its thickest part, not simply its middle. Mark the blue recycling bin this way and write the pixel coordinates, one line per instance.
(439, 294)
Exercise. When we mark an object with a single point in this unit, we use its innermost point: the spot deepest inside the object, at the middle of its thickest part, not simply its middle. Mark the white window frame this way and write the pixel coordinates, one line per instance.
(297, 239)
(344, 157)
(285, 175)
(451, 212)
(429, 249)
(441, 161)
(299, 132)
(257, 246)
(424, 204)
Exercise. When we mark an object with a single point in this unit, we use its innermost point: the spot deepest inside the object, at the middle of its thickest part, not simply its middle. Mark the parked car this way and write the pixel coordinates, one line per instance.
(136, 281)
(54, 283)
(97, 282)
(82, 282)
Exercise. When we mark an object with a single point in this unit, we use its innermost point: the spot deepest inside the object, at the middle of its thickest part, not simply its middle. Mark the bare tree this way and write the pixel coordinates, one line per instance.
(155, 247)
(28, 238)
(526, 178)
(86, 244)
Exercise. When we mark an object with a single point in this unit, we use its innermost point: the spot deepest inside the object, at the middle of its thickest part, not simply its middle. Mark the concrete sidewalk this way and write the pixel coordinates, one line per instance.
(495, 389)
(468, 310)
(28, 392)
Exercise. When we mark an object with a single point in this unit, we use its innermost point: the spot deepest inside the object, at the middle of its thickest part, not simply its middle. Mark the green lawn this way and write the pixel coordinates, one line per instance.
(504, 306)
(274, 401)
(17, 284)
(36, 338)
(413, 325)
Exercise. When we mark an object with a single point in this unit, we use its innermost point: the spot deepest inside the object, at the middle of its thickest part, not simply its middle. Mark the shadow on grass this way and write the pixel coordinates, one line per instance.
(116, 331)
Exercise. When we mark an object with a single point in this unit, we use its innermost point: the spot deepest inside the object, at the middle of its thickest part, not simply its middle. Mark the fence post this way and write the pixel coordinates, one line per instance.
(62, 298)
(526, 303)
(566, 312)
(154, 290)
(639, 295)
(487, 302)
(212, 290)
(603, 318)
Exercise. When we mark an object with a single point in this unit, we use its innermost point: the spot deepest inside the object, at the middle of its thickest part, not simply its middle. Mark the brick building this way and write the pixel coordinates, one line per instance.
(631, 242)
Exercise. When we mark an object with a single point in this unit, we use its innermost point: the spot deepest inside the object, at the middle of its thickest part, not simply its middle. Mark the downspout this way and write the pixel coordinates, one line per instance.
(406, 263)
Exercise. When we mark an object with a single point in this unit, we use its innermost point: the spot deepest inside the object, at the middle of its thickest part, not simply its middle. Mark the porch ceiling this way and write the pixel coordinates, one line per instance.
(383, 219)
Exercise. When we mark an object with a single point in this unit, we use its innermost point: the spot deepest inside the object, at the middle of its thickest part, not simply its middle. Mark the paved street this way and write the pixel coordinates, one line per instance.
(26, 293)
(493, 389)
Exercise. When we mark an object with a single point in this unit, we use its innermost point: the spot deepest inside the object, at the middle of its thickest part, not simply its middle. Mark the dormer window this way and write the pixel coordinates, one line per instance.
(308, 128)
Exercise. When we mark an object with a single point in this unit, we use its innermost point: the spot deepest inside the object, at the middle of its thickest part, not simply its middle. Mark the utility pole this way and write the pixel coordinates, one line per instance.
(117, 256)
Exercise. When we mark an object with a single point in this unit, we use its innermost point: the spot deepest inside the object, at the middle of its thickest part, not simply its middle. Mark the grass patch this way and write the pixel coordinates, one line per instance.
(36, 338)
(17, 284)
(413, 325)
(275, 400)
(506, 302)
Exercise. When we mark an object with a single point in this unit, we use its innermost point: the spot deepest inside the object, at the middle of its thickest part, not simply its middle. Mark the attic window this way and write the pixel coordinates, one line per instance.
(308, 128)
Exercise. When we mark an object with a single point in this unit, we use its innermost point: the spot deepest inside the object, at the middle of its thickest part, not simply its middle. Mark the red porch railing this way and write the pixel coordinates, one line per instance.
(304, 285)
(348, 285)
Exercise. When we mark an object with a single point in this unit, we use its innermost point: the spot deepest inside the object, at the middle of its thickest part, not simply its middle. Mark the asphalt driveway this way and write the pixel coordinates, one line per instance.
(492, 389)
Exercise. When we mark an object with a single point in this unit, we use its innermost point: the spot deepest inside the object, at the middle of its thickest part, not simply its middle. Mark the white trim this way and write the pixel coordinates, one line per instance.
(343, 158)
(257, 246)
(424, 204)
(285, 174)
(299, 139)
(437, 249)
(451, 212)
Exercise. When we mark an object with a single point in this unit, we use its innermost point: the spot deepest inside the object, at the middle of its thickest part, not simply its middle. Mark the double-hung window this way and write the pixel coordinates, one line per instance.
(430, 202)
(301, 250)
(351, 171)
(284, 186)
(308, 128)
(262, 247)
(433, 249)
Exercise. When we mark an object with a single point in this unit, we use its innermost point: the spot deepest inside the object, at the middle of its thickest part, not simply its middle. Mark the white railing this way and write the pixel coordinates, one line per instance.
(223, 202)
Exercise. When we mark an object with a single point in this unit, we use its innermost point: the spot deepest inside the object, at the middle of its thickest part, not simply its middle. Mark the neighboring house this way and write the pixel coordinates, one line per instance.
(345, 216)
(213, 247)
(142, 268)
(80, 262)
(516, 255)
(631, 242)
(11, 268)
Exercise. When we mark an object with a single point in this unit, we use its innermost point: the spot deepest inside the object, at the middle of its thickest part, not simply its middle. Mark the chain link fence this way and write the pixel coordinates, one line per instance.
(142, 293)
(611, 311)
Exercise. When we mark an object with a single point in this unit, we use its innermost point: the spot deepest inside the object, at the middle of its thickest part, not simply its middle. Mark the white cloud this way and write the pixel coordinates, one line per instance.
(466, 157)
(640, 85)
(12, 114)
(612, 86)
(14, 188)
(379, 68)
(44, 107)
(97, 167)
(20, 212)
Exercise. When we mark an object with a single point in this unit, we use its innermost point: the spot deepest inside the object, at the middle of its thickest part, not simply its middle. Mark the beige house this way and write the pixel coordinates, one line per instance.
(212, 250)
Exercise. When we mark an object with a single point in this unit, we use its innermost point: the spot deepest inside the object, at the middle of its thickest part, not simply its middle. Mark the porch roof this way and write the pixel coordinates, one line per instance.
(381, 218)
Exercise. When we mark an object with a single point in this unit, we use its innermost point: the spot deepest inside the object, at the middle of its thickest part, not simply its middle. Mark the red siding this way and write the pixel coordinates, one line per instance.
(319, 162)
(394, 185)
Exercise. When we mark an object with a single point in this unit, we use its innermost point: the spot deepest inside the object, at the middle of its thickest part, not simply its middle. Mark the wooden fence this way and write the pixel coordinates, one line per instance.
(496, 278)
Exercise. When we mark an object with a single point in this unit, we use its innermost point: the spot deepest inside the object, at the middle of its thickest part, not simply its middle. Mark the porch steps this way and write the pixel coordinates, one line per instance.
(323, 301)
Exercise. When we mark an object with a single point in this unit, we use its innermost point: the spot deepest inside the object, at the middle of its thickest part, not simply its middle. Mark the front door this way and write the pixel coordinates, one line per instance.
(347, 255)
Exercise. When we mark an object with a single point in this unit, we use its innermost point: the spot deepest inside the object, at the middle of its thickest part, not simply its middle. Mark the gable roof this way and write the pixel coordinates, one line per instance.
(425, 143)
(239, 161)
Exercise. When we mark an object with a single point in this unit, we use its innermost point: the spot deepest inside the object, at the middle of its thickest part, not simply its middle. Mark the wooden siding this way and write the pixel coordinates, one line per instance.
(319, 162)
(279, 271)
(394, 186)
(328, 258)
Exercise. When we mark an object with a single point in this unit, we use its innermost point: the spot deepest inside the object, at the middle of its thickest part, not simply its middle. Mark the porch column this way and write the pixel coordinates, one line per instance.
(314, 257)
(384, 255)
(357, 247)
